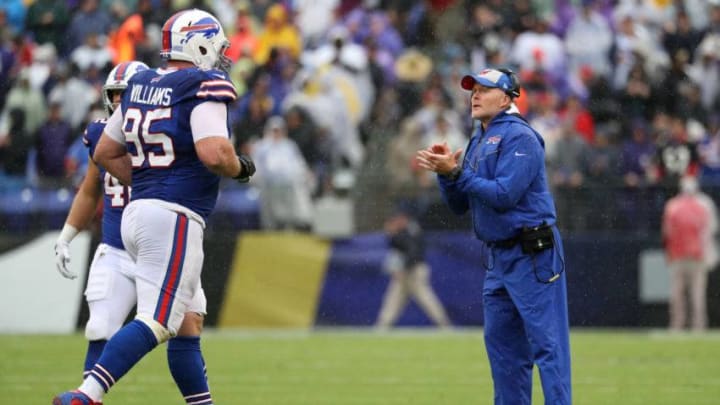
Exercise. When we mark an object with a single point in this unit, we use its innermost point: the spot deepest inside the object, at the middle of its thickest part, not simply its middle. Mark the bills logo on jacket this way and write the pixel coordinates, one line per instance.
(494, 140)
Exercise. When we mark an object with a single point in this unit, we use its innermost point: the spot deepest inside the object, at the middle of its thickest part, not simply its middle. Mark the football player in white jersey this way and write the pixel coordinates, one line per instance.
(170, 139)
(110, 291)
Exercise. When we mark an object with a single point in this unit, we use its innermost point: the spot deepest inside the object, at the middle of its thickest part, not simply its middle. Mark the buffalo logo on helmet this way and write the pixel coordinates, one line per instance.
(206, 26)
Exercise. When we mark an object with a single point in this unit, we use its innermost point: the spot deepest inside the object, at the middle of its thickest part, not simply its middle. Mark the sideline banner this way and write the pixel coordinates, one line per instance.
(274, 281)
(35, 298)
(296, 280)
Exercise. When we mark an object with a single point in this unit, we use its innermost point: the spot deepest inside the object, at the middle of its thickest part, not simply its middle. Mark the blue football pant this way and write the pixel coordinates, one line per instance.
(526, 323)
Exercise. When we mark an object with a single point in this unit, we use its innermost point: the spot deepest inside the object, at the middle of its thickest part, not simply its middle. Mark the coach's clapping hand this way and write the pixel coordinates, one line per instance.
(62, 259)
(438, 158)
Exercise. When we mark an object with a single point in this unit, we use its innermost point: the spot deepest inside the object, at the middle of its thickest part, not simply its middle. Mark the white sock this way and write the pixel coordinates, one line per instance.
(92, 388)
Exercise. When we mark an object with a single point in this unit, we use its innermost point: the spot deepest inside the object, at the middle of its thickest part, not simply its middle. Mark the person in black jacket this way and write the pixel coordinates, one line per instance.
(409, 272)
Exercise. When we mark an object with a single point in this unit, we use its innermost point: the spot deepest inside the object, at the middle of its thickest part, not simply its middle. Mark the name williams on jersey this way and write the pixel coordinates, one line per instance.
(150, 95)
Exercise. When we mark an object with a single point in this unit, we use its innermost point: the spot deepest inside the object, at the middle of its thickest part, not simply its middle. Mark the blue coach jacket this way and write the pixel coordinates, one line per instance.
(503, 180)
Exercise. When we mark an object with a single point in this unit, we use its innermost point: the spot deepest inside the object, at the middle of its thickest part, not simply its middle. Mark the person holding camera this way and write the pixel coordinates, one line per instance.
(409, 273)
(502, 181)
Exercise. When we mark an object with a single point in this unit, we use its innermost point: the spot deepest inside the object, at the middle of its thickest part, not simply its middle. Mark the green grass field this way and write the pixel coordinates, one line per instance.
(356, 367)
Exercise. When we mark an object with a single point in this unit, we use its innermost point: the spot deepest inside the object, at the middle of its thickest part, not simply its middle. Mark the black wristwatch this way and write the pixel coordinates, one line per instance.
(454, 173)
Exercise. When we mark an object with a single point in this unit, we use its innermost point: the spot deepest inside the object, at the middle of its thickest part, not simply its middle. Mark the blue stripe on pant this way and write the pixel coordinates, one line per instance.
(526, 323)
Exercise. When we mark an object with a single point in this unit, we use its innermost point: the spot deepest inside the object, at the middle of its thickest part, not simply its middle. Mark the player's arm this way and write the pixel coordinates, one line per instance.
(208, 121)
(111, 152)
(218, 155)
(81, 213)
(83, 206)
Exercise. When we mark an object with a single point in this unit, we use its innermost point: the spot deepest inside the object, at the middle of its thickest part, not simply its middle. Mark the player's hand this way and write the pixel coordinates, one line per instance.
(62, 259)
(247, 169)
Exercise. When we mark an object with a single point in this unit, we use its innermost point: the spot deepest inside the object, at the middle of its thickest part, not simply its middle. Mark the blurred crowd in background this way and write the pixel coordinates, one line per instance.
(336, 96)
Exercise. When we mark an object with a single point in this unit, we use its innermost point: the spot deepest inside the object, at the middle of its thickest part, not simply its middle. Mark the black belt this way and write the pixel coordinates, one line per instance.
(532, 239)
(504, 244)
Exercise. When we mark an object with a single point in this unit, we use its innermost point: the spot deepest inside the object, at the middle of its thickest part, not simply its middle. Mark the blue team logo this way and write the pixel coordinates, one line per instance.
(206, 27)
(494, 140)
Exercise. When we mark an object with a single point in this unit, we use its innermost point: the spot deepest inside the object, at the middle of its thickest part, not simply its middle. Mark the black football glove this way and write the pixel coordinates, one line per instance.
(247, 169)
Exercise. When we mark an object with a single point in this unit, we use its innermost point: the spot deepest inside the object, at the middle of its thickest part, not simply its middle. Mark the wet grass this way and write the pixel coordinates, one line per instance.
(363, 367)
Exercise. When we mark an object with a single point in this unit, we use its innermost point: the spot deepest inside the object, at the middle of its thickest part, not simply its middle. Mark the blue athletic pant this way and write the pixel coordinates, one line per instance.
(526, 323)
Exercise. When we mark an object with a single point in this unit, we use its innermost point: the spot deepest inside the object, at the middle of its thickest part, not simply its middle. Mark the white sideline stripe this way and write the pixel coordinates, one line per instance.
(661, 334)
(431, 333)
(369, 333)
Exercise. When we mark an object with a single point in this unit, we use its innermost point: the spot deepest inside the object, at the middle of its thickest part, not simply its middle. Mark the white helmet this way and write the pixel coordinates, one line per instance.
(197, 37)
(117, 80)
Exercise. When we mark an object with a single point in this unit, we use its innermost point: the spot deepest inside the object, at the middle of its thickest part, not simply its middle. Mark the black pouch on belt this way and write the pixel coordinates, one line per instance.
(536, 239)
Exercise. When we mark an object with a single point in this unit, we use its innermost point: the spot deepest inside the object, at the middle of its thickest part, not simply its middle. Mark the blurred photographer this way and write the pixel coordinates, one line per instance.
(409, 272)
